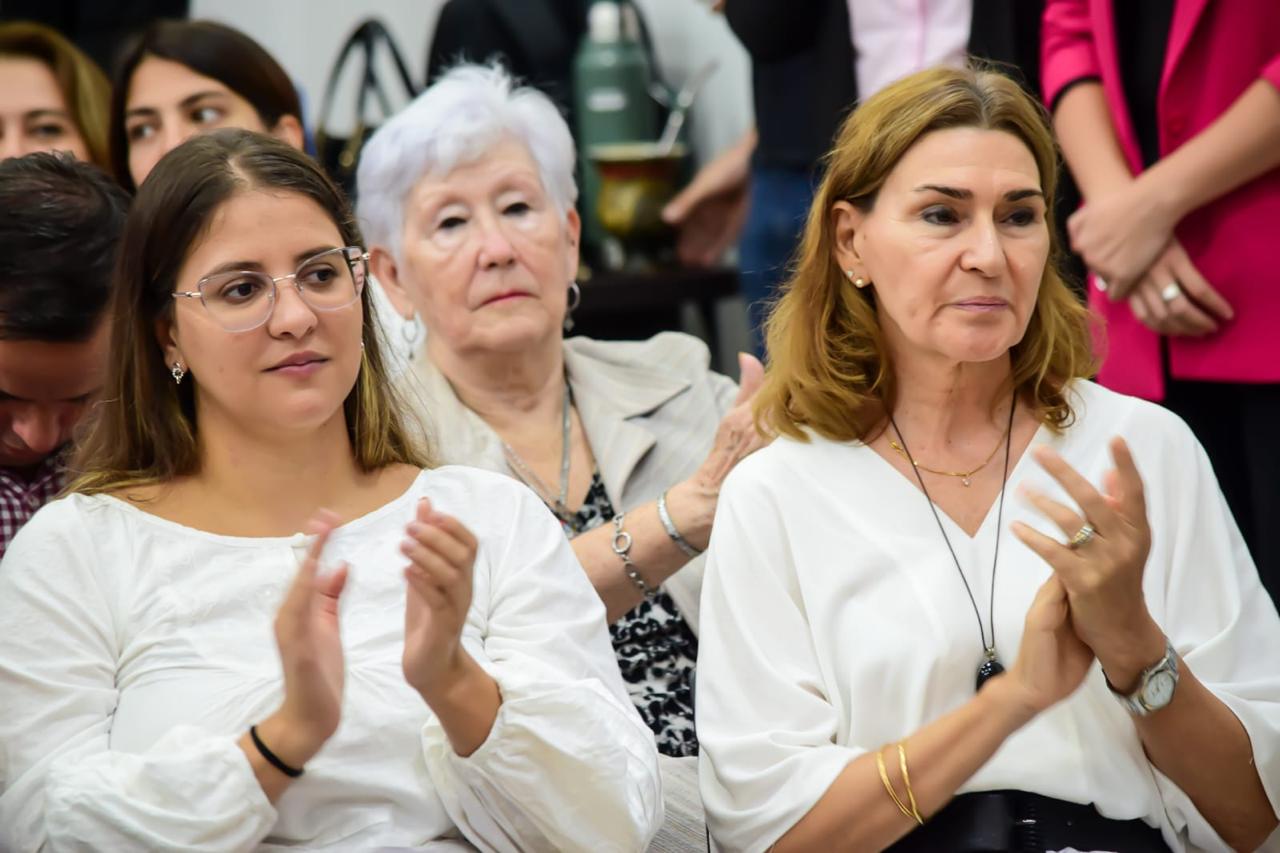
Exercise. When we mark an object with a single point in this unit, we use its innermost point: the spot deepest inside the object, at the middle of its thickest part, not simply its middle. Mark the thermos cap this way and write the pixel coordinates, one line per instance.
(604, 21)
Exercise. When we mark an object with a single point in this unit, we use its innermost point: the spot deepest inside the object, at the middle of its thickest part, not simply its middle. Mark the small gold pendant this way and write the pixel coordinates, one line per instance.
(967, 481)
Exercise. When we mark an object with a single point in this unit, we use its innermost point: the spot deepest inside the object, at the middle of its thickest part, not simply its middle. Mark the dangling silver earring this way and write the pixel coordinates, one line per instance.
(575, 296)
(177, 372)
(410, 331)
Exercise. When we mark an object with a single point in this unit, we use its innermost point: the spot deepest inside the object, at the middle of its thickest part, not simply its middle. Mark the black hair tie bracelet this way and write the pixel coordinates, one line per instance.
(272, 758)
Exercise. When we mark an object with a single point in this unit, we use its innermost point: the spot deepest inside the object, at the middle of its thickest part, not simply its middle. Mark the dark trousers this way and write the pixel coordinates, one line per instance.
(1239, 426)
(779, 203)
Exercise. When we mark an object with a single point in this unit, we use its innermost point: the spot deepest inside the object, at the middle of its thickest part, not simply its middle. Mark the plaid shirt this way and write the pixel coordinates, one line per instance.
(20, 496)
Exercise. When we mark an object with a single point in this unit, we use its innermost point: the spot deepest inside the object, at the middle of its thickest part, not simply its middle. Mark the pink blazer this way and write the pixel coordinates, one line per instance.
(1216, 50)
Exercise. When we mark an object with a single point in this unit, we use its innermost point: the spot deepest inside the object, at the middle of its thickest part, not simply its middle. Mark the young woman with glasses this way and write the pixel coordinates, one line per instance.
(183, 669)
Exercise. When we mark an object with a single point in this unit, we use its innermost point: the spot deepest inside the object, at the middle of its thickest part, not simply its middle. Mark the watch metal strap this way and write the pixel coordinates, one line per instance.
(1134, 702)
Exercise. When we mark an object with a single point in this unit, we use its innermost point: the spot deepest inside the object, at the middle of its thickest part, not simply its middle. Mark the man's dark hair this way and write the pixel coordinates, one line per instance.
(60, 222)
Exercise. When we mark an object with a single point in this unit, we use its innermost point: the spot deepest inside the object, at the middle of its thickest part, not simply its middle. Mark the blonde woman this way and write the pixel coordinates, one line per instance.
(969, 600)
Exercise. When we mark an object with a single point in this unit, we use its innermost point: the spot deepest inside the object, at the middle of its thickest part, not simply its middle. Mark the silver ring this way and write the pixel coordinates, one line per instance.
(1082, 537)
(1170, 292)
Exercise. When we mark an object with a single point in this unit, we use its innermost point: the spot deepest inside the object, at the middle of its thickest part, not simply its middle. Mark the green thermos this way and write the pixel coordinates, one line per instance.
(612, 101)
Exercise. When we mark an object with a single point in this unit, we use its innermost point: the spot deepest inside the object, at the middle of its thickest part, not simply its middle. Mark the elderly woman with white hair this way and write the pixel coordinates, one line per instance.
(467, 200)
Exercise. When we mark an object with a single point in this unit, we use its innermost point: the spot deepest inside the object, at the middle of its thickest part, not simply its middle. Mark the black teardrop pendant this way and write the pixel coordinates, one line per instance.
(989, 668)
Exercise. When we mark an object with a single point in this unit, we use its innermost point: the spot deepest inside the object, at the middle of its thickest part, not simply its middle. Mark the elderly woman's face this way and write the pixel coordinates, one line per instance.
(954, 247)
(486, 256)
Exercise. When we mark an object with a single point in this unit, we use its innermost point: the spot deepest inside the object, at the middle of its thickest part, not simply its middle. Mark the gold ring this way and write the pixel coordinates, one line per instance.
(1082, 537)
(1170, 292)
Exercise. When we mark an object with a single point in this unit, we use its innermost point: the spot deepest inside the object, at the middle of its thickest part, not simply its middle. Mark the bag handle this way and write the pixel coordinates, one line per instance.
(366, 36)
(379, 33)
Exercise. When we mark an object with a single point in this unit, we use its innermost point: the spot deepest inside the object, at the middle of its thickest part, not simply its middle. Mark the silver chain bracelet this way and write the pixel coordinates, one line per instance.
(622, 547)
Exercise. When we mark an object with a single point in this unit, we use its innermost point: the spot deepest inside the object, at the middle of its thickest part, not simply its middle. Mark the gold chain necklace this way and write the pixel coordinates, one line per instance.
(966, 477)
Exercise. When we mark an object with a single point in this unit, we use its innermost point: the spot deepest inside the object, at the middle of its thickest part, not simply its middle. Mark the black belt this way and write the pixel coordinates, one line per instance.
(1019, 822)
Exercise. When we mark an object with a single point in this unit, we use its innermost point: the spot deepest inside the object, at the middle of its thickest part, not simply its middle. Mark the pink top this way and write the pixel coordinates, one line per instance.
(894, 38)
(1216, 51)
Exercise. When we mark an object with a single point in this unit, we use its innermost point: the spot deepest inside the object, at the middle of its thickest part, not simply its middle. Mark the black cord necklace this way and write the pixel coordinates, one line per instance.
(990, 665)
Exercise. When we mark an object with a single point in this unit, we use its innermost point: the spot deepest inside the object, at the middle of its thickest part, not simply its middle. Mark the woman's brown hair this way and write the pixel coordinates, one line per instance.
(829, 368)
(83, 85)
(144, 431)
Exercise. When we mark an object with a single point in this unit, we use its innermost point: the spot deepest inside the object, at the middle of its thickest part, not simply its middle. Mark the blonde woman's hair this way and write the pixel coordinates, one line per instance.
(829, 367)
(144, 431)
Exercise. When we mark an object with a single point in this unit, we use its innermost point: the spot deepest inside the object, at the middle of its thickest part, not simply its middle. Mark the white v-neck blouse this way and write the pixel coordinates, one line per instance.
(134, 652)
(834, 621)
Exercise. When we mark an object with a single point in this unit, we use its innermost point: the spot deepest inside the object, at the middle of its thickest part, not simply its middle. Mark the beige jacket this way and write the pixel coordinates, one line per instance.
(650, 410)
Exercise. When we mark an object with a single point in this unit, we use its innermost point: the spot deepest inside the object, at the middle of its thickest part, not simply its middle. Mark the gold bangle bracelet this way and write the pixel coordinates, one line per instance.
(888, 786)
(906, 779)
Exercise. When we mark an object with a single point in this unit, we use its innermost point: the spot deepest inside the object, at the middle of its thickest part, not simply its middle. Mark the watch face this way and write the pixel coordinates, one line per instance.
(1159, 690)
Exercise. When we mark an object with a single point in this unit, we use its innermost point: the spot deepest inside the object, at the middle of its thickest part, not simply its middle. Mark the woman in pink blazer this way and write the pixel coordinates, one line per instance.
(1169, 117)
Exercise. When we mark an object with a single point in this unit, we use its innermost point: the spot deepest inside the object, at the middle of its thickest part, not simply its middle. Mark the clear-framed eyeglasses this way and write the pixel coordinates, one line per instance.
(240, 300)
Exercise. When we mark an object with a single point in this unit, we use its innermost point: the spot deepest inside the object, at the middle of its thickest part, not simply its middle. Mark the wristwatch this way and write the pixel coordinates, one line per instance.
(1155, 686)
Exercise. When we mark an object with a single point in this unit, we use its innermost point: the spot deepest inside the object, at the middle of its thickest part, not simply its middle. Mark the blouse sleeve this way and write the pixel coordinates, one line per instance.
(1271, 71)
(1217, 615)
(767, 730)
(568, 764)
(1067, 48)
(62, 787)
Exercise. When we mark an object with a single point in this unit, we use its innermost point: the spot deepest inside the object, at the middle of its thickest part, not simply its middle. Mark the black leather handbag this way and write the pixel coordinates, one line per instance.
(340, 155)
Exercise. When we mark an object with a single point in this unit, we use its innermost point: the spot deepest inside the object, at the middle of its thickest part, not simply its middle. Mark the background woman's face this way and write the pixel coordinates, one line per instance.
(486, 255)
(34, 116)
(955, 245)
(168, 103)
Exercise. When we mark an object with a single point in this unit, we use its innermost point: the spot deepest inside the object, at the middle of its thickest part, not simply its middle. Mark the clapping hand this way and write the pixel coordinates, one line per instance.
(1101, 564)
(736, 437)
(693, 501)
(1052, 660)
(310, 647)
(442, 554)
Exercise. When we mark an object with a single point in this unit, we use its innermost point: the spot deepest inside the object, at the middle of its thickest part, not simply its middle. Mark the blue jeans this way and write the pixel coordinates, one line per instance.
(780, 201)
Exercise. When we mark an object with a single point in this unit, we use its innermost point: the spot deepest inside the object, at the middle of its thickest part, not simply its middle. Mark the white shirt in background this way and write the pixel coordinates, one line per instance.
(834, 622)
(134, 653)
(894, 38)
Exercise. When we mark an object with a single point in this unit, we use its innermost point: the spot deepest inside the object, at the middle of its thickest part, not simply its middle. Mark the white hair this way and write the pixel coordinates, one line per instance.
(456, 121)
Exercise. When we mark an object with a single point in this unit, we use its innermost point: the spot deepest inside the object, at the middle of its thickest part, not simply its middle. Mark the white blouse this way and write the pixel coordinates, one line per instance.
(134, 652)
(833, 622)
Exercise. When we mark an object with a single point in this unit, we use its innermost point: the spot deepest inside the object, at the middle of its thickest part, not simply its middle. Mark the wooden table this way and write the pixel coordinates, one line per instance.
(625, 305)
